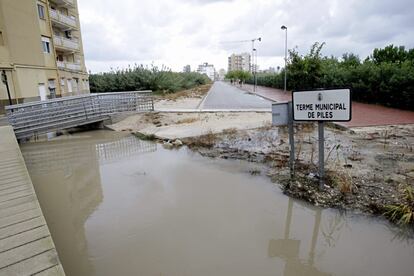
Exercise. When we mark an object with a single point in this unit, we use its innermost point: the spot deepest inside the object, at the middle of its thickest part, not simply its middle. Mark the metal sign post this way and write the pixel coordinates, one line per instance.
(321, 152)
(281, 116)
(291, 142)
(333, 105)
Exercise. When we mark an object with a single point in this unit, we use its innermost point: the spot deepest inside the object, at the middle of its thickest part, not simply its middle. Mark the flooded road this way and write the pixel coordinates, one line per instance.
(120, 206)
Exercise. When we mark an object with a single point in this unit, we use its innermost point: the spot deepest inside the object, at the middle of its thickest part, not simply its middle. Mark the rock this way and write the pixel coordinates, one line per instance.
(168, 145)
(177, 143)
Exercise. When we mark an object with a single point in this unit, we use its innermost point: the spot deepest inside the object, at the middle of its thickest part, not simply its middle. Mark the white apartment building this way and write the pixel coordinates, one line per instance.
(239, 62)
(207, 69)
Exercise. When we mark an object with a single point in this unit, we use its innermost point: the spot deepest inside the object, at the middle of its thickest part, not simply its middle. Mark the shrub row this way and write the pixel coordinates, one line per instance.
(145, 78)
(386, 77)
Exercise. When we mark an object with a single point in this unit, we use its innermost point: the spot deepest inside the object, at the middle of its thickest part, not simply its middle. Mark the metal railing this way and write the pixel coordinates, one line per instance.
(61, 42)
(69, 65)
(56, 114)
(63, 19)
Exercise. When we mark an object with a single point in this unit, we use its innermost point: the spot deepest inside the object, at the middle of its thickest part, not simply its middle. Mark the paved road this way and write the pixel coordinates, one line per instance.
(226, 96)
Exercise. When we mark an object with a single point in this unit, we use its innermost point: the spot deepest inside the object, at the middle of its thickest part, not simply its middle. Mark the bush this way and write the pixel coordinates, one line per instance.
(145, 78)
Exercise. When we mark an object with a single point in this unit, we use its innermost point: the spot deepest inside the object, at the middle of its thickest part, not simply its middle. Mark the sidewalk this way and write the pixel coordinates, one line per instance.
(362, 114)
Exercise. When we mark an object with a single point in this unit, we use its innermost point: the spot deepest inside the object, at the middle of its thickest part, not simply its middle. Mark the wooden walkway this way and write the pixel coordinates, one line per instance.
(26, 246)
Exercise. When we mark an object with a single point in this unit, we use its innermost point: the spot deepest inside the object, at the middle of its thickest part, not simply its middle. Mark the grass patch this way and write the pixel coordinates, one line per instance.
(196, 92)
(402, 213)
(145, 137)
(205, 141)
(186, 121)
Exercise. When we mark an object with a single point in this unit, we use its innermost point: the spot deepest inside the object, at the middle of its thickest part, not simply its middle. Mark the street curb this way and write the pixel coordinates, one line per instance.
(261, 96)
(204, 98)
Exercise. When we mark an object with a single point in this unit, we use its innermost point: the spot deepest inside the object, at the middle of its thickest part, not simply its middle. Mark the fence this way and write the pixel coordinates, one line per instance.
(45, 116)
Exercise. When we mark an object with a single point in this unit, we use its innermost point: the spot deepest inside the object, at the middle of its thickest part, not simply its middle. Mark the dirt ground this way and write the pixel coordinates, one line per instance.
(173, 125)
(187, 99)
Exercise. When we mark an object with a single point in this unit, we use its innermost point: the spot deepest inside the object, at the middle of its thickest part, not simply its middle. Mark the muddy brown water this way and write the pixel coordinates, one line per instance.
(120, 206)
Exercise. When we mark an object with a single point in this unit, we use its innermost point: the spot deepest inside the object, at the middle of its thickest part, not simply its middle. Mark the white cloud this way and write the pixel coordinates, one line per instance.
(180, 32)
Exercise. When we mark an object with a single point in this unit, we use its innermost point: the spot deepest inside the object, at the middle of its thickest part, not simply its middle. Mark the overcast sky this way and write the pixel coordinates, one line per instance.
(180, 32)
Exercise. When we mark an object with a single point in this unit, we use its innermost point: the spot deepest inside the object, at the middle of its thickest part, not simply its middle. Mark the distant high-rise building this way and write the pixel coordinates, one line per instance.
(221, 74)
(239, 62)
(41, 50)
(187, 69)
(207, 69)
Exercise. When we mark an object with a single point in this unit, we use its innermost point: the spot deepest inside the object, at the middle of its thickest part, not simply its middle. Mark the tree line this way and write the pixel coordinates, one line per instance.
(140, 77)
(385, 77)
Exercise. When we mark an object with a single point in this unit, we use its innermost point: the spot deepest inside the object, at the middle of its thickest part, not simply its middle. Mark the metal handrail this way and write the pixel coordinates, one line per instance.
(42, 116)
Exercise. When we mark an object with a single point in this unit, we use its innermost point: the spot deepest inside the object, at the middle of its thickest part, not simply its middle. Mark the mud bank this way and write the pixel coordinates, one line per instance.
(368, 169)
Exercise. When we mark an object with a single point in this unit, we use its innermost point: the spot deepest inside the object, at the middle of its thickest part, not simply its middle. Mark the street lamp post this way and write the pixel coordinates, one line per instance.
(285, 29)
(255, 68)
(252, 61)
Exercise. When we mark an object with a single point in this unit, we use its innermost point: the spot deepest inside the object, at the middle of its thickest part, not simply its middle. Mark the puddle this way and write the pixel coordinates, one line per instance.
(120, 206)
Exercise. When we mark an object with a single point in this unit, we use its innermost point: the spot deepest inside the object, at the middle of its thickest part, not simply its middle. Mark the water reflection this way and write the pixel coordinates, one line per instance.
(119, 206)
(70, 171)
(288, 249)
(43, 157)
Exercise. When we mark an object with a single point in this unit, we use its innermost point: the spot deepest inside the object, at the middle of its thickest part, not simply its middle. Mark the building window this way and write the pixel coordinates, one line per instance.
(46, 45)
(52, 88)
(41, 11)
(1, 38)
(62, 82)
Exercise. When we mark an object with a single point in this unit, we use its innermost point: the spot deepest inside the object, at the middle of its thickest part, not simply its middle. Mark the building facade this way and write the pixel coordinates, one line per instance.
(207, 69)
(239, 62)
(221, 74)
(41, 52)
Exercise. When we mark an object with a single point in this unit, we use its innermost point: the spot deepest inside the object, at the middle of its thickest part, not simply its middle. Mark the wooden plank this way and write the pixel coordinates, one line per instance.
(13, 210)
(20, 217)
(21, 227)
(17, 201)
(21, 179)
(15, 195)
(8, 186)
(19, 208)
(22, 253)
(31, 266)
(23, 186)
(53, 271)
(23, 238)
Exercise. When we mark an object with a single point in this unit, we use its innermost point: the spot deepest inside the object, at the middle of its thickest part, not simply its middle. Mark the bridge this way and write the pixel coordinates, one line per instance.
(34, 118)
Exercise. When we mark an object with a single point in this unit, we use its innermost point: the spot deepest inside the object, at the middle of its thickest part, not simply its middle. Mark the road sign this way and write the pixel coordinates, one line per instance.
(322, 105)
(280, 114)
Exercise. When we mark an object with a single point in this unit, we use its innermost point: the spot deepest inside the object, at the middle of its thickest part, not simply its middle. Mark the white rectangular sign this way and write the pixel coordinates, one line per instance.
(322, 105)
(280, 115)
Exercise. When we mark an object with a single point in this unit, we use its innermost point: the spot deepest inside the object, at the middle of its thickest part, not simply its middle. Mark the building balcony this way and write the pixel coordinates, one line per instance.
(62, 21)
(64, 44)
(63, 3)
(69, 66)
